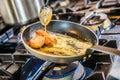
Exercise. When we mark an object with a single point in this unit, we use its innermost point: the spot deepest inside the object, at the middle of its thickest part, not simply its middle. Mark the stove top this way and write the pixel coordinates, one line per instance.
(98, 64)
(14, 58)
(96, 67)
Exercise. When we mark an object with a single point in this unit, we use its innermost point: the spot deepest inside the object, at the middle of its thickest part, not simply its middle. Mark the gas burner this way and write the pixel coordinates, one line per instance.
(58, 71)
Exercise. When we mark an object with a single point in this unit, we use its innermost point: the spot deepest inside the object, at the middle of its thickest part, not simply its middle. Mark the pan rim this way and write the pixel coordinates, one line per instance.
(55, 56)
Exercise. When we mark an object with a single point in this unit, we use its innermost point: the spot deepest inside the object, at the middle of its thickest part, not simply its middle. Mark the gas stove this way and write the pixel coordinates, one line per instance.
(17, 63)
(98, 66)
(21, 65)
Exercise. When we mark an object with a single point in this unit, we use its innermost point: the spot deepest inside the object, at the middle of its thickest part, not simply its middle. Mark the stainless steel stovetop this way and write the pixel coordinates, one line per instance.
(99, 66)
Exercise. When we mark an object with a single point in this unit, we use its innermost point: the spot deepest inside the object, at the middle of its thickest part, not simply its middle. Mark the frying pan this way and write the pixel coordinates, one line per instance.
(69, 28)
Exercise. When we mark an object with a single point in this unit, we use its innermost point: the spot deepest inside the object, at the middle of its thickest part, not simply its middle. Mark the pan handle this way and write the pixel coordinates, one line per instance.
(106, 50)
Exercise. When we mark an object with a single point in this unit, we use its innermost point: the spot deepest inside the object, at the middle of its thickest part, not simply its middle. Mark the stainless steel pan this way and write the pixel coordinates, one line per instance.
(64, 27)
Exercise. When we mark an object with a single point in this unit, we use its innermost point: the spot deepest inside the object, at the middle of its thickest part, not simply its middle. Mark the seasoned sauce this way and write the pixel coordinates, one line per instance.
(66, 46)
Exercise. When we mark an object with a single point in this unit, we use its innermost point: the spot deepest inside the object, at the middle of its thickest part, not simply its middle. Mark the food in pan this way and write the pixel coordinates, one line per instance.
(58, 44)
(42, 38)
(37, 42)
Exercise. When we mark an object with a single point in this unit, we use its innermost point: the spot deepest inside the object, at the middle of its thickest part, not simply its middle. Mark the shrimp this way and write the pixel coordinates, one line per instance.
(41, 33)
(41, 37)
(49, 38)
(37, 41)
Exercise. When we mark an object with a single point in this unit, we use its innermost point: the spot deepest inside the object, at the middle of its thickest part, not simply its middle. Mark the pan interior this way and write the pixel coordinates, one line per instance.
(62, 27)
